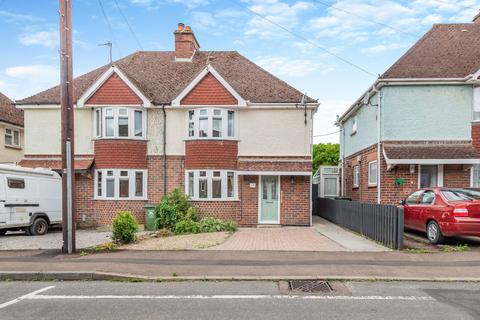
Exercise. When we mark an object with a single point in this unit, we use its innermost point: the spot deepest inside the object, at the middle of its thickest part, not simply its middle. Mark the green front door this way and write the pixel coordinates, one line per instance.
(269, 199)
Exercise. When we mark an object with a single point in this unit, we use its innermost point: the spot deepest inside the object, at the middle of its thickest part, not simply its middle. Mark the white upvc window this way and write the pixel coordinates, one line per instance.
(356, 176)
(12, 137)
(120, 123)
(476, 104)
(475, 179)
(372, 173)
(217, 185)
(120, 184)
(211, 123)
(354, 124)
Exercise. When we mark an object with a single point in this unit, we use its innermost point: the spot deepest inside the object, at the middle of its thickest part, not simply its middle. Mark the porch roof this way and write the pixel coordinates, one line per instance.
(431, 153)
(80, 164)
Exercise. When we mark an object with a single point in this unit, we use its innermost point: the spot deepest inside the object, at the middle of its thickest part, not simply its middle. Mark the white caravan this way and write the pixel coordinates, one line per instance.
(30, 199)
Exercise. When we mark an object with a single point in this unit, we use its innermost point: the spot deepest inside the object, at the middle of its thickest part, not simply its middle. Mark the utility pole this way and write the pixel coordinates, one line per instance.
(66, 87)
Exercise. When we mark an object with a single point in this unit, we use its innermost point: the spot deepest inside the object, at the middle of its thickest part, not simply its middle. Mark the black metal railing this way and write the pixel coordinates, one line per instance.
(382, 223)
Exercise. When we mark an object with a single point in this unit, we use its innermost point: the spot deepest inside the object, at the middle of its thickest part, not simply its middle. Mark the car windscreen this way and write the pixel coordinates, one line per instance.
(456, 195)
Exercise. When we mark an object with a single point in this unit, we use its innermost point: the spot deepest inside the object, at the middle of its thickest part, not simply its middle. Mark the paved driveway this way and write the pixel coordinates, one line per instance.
(52, 240)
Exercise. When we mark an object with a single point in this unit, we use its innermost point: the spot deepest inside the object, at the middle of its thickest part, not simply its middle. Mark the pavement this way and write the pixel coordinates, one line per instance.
(52, 240)
(210, 264)
(237, 300)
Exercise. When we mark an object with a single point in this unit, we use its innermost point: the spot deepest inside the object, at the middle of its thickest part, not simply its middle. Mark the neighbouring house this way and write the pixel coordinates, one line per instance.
(419, 124)
(11, 131)
(212, 123)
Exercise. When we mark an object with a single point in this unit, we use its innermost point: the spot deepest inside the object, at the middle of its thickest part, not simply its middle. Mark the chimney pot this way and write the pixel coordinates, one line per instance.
(181, 26)
(187, 28)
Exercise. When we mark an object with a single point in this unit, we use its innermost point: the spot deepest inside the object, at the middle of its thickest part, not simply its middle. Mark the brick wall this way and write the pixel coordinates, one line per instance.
(211, 154)
(295, 200)
(363, 192)
(185, 44)
(122, 154)
(476, 135)
(209, 91)
(114, 92)
(456, 176)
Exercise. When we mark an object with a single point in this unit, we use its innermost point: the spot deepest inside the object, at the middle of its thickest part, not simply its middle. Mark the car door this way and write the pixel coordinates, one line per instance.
(411, 209)
(426, 209)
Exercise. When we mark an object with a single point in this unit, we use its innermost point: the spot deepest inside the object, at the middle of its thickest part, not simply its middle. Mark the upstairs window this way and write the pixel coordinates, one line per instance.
(12, 137)
(354, 124)
(476, 104)
(211, 124)
(118, 122)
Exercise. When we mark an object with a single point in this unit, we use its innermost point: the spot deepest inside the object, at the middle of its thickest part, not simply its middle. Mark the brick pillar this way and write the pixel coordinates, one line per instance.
(476, 135)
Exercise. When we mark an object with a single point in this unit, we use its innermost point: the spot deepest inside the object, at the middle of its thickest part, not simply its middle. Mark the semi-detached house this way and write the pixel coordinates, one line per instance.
(419, 124)
(11, 131)
(211, 123)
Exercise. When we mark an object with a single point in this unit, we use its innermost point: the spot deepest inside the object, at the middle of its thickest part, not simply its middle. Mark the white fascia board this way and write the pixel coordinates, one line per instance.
(38, 106)
(199, 77)
(274, 173)
(432, 161)
(104, 77)
(281, 105)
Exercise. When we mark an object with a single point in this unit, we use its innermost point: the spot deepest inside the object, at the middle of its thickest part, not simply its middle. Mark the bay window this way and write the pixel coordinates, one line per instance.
(125, 184)
(120, 122)
(211, 123)
(211, 184)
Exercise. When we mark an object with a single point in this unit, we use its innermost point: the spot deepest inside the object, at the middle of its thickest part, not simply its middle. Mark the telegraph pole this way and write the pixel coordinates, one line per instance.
(66, 87)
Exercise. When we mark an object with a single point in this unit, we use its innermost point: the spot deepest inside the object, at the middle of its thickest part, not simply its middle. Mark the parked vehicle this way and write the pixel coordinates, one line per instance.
(443, 212)
(30, 199)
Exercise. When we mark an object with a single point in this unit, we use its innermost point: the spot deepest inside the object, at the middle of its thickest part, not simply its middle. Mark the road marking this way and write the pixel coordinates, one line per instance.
(229, 297)
(25, 297)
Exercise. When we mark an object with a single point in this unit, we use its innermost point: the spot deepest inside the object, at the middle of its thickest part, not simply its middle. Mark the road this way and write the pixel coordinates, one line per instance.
(237, 300)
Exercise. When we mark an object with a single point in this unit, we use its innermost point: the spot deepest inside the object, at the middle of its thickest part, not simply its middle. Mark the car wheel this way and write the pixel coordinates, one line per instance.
(39, 227)
(3, 232)
(434, 234)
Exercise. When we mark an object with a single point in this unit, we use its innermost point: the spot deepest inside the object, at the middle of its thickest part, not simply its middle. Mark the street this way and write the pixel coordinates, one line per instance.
(237, 300)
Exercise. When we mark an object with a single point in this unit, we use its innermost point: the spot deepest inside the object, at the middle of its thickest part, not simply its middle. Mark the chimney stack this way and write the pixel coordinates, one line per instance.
(185, 43)
(476, 19)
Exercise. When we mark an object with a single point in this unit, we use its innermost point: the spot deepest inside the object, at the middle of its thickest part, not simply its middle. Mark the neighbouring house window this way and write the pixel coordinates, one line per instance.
(475, 176)
(354, 124)
(119, 122)
(428, 176)
(356, 176)
(372, 173)
(211, 123)
(12, 137)
(476, 104)
(211, 184)
(14, 183)
(125, 184)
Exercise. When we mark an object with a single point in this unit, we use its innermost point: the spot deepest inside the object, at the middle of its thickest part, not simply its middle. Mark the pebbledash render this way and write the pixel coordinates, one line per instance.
(419, 124)
(212, 123)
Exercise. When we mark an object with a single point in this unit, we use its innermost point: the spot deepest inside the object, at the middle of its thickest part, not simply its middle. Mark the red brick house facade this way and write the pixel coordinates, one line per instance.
(212, 124)
(418, 125)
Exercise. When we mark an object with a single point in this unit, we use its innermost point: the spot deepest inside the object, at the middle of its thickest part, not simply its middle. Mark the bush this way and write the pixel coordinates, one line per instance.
(204, 225)
(174, 207)
(124, 227)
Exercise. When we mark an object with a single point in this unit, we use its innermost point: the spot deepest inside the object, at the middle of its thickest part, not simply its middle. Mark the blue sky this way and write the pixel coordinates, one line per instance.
(369, 33)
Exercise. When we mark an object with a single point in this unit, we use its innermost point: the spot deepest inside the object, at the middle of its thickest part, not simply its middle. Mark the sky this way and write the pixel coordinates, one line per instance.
(330, 49)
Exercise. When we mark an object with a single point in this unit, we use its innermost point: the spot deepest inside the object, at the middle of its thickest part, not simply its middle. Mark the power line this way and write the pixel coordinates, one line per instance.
(305, 39)
(325, 134)
(128, 24)
(362, 17)
(109, 26)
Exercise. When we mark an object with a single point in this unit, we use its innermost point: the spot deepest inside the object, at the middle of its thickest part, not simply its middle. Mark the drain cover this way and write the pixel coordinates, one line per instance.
(310, 286)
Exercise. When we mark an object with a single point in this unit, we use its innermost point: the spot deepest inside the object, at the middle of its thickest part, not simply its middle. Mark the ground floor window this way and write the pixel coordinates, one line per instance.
(123, 184)
(431, 176)
(356, 176)
(372, 173)
(211, 184)
(475, 176)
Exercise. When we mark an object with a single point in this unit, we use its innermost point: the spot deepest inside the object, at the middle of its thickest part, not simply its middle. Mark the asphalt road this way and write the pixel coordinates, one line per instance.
(237, 300)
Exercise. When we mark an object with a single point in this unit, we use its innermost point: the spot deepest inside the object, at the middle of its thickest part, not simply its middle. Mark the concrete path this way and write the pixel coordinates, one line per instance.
(279, 239)
(349, 241)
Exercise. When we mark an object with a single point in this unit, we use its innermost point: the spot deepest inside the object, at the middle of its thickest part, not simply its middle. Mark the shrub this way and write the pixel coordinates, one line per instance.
(124, 227)
(174, 207)
(187, 226)
(204, 225)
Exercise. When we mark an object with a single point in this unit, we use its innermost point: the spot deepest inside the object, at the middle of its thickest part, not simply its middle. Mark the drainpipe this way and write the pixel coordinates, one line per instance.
(164, 150)
(342, 174)
(379, 144)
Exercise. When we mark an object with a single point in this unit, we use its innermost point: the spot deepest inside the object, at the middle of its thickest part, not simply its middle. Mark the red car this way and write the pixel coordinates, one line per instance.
(443, 212)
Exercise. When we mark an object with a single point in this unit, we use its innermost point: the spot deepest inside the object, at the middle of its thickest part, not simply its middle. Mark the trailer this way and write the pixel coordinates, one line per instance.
(30, 199)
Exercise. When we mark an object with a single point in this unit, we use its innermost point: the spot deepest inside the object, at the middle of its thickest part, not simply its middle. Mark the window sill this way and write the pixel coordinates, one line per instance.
(120, 199)
(355, 187)
(372, 185)
(11, 146)
(120, 138)
(214, 200)
(208, 138)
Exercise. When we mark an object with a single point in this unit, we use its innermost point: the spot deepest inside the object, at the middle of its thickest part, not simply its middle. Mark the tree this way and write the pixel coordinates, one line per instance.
(325, 154)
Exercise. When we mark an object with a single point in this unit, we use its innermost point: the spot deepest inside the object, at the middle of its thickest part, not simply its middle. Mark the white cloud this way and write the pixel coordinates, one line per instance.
(22, 81)
(381, 48)
(156, 4)
(17, 17)
(284, 66)
(49, 39)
